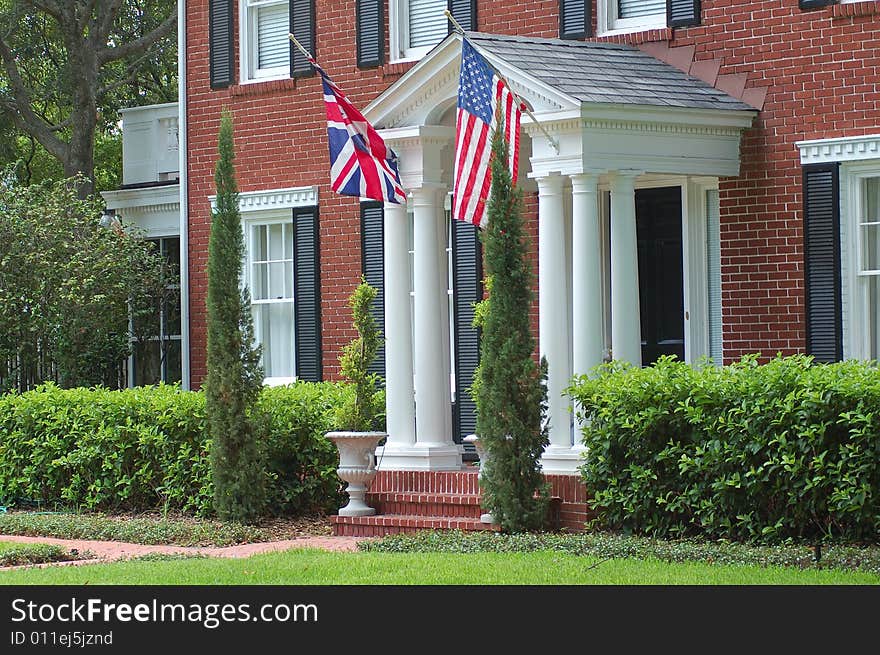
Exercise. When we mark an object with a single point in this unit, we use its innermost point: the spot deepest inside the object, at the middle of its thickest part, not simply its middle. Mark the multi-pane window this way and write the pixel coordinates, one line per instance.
(868, 283)
(156, 341)
(265, 46)
(270, 276)
(416, 26)
(631, 14)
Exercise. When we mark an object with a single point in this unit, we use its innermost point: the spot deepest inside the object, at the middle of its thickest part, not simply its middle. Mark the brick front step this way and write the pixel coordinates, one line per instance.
(382, 524)
(408, 501)
(426, 504)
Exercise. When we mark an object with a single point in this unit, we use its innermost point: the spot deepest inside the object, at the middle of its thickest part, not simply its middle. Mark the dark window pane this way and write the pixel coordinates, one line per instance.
(172, 361)
(147, 363)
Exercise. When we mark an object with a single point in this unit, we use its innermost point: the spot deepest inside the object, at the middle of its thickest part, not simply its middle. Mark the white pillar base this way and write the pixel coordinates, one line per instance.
(561, 460)
(420, 457)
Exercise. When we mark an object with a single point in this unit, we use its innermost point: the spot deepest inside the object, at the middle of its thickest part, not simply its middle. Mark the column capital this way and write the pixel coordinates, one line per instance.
(428, 194)
(585, 182)
(625, 177)
(550, 185)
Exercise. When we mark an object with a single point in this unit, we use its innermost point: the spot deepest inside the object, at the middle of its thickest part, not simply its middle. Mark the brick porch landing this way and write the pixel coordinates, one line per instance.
(408, 501)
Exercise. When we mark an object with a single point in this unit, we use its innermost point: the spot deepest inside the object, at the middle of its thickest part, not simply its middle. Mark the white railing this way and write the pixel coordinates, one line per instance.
(150, 144)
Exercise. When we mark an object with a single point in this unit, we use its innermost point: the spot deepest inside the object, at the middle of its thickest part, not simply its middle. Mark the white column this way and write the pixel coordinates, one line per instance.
(626, 340)
(399, 399)
(553, 321)
(588, 343)
(587, 339)
(433, 448)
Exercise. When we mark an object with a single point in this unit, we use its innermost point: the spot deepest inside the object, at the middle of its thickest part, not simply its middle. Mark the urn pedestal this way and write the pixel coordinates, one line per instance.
(483, 454)
(357, 467)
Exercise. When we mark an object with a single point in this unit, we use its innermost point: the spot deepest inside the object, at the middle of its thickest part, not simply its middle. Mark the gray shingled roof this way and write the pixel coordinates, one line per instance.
(605, 72)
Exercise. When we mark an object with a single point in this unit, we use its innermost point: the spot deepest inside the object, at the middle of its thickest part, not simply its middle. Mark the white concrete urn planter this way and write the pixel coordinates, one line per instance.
(483, 454)
(357, 467)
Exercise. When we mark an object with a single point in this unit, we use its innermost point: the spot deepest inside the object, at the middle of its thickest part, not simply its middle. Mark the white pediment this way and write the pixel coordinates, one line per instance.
(430, 88)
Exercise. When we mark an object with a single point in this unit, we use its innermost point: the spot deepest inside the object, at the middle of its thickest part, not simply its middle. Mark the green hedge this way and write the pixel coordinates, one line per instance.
(789, 449)
(146, 448)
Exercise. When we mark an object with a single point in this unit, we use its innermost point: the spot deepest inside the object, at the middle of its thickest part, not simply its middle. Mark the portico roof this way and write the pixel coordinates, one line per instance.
(605, 72)
(607, 106)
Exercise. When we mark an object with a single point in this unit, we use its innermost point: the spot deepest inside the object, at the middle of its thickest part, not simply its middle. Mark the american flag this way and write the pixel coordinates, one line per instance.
(480, 92)
(360, 162)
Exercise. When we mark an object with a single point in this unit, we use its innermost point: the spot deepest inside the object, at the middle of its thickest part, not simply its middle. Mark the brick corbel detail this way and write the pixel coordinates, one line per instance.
(708, 70)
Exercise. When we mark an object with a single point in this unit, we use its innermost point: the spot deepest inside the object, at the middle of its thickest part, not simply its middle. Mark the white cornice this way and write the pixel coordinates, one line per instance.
(146, 199)
(851, 148)
(272, 199)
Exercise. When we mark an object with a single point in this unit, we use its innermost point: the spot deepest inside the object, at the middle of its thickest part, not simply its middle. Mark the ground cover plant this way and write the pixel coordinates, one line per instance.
(314, 567)
(788, 449)
(606, 545)
(18, 554)
(175, 530)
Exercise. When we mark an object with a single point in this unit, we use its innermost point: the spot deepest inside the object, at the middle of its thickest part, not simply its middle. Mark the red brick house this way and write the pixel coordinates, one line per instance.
(705, 182)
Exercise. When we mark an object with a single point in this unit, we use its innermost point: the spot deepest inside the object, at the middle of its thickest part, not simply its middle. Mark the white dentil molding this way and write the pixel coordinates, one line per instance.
(850, 148)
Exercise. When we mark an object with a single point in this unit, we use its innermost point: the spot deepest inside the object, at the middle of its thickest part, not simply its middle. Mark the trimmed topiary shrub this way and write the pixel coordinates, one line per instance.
(147, 448)
(789, 449)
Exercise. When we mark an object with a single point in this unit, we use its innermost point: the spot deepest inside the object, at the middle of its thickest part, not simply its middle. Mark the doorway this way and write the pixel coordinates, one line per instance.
(661, 276)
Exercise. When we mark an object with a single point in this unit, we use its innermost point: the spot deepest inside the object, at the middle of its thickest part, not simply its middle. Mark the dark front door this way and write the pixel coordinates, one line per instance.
(661, 286)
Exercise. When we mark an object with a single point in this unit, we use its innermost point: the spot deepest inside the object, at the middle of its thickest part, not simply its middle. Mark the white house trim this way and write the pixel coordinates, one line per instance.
(626, 146)
(851, 148)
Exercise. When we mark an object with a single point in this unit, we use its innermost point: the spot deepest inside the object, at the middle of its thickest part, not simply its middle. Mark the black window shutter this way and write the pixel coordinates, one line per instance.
(575, 19)
(307, 294)
(370, 33)
(373, 267)
(815, 4)
(465, 12)
(302, 26)
(681, 13)
(220, 13)
(467, 285)
(822, 261)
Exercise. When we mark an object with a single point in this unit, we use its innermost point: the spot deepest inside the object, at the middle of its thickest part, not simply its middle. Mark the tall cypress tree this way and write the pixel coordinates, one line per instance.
(235, 377)
(508, 385)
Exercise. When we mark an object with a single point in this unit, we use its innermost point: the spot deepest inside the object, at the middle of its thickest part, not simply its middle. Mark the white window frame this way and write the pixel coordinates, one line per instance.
(607, 22)
(256, 220)
(248, 44)
(163, 335)
(398, 34)
(854, 307)
(695, 269)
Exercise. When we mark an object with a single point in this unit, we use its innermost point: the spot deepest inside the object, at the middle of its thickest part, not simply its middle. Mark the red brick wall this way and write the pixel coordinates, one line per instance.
(820, 67)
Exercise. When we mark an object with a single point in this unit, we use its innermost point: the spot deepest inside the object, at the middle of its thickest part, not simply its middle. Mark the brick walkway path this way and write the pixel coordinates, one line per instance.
(113, 550)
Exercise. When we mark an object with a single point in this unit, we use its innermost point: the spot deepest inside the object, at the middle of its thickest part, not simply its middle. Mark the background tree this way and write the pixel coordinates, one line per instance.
(234, 377)
(508, 384)
(68, 287)
(68, 66)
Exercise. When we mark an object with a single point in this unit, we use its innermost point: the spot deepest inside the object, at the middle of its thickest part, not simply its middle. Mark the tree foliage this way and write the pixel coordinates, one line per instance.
(68, 66)
(508, 383)
(362, 411)
(235, 376)
(68, 287)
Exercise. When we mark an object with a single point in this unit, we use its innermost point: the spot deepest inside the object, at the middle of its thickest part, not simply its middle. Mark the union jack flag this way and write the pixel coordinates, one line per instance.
(360, 162)
(480, 93)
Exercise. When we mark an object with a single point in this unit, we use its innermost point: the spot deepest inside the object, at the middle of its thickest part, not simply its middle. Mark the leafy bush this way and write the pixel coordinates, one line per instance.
(147, 448)
(787, 449)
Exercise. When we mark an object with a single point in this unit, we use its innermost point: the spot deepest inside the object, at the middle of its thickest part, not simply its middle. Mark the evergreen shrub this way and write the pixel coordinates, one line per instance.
(147, 449)
(789, 449)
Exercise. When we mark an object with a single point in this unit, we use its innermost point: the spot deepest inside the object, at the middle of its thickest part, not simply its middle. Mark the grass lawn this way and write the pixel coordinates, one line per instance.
(314, 567)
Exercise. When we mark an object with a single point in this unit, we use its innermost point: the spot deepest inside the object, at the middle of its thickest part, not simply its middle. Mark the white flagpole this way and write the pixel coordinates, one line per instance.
(524, 106)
